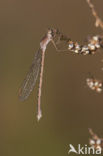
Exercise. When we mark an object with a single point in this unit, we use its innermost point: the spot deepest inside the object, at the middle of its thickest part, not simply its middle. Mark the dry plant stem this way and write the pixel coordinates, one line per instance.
(99, 22)
(39, 115)
(93, 134)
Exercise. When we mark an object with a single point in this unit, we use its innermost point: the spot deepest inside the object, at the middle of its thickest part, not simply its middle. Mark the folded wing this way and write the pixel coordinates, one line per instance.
(31, 77)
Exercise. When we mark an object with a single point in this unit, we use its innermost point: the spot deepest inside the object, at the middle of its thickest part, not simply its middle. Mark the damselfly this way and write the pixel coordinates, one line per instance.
(36, 68)
(61, 43)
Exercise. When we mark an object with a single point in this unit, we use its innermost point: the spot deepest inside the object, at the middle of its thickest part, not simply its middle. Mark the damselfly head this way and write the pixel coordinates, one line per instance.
(53, 32)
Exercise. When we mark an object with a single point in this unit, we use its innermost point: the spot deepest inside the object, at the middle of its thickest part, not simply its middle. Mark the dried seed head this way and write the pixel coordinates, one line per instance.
(94, 84)
(91, 46)
(95, 38)
(95, 141)
(85, 50)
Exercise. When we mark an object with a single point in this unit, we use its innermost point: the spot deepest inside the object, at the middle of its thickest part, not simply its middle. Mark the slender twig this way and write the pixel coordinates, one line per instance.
(94, 136)
(99, 22)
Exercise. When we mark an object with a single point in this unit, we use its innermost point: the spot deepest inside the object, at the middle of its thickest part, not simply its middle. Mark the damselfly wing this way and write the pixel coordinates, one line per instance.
(31, 77)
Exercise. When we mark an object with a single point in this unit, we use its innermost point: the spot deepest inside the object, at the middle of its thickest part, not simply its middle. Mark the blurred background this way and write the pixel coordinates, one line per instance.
(69, 108)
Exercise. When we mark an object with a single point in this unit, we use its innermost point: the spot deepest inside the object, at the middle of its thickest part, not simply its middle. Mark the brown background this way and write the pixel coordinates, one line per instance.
(69, 107)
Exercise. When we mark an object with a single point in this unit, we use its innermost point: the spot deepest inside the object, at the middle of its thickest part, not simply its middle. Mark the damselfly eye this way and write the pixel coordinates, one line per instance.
(52, 32)
(49, 31)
